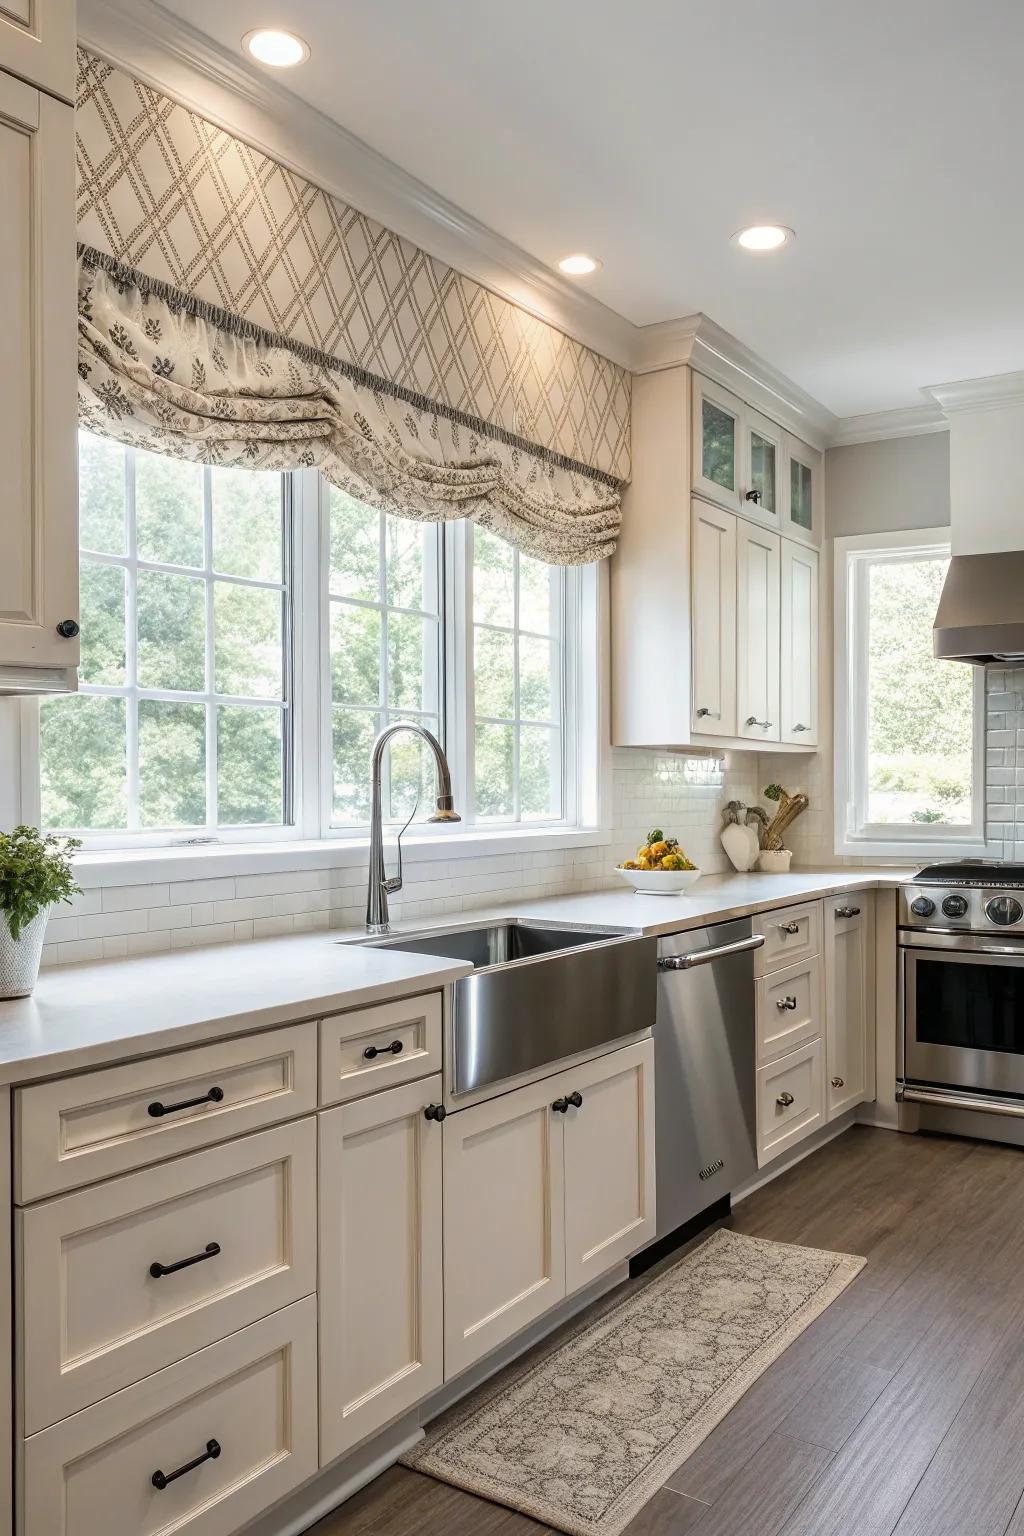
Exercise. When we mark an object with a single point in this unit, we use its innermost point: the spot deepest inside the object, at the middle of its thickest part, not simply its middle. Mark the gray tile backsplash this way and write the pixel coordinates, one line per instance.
(1004, 762)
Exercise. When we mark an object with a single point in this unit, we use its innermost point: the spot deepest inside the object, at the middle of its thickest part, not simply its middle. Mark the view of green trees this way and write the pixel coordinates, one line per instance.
(920, 710)
(176, 639)
(150, 627)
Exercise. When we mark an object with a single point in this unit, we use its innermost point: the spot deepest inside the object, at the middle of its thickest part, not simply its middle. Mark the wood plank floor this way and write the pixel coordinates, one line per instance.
(900, 1410)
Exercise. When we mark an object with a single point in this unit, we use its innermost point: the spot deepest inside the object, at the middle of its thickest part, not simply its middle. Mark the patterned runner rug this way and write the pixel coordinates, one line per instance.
(583, 1435)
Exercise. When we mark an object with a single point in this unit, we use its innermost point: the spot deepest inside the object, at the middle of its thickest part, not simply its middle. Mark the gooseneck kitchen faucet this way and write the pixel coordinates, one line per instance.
(380, 885)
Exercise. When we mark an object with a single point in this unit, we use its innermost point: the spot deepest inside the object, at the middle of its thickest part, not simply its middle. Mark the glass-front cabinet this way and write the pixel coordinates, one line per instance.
(762, 463)
(802, 497)
(717, 443)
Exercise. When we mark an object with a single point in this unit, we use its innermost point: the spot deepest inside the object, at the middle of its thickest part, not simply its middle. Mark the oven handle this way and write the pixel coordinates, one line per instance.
(960, 1101)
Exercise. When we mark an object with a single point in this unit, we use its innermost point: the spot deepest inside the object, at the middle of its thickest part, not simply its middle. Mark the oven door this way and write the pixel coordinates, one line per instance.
(963, 1013)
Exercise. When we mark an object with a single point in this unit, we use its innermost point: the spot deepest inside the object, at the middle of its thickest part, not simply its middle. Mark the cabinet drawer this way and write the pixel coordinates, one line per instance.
(96, 1318)
(79, 1129)
(788, 1008)
(252, 1396)
(790, 934)
(404, 1038)
(790, 1100)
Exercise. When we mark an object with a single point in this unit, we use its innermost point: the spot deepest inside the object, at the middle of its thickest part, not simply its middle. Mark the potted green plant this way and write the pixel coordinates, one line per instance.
(35, 874)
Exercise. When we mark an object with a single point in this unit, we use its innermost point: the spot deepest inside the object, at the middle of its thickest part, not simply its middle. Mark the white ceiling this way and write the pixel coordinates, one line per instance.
(886, 132)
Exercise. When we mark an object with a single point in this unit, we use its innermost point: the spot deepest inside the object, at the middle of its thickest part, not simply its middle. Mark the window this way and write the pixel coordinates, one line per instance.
(246, 635)
(909, 728)
(182, 719)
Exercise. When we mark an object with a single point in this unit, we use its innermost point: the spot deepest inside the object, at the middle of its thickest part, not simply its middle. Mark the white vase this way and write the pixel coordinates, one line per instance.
(775, 861)
(19, 958)
(740, 843)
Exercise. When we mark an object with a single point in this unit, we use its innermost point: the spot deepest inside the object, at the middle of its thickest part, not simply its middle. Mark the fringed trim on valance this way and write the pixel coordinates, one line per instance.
(180, 303)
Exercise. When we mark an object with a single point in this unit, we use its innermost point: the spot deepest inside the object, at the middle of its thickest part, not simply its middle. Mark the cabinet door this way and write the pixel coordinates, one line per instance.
(37, 42)
(504, 1234)
(380, 1262)
(757, 632)
(609, 1161)
(790, 1100)
(847, 999)
(760, 491)
(713, 608)
(802, 498)
(798, 693)
(38, 380)
(717, 443)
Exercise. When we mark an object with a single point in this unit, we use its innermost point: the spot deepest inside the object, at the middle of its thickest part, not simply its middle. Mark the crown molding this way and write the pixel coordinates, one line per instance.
(1000, 389)
(877, 426)
(168, 54)
(717, 354)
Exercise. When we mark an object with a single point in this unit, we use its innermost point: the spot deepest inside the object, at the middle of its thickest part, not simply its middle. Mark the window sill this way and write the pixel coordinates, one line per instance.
(942, 846)
(144, 866)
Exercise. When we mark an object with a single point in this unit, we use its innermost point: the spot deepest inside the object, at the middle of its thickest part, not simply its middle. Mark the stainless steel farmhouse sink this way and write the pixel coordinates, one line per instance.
(538, 992)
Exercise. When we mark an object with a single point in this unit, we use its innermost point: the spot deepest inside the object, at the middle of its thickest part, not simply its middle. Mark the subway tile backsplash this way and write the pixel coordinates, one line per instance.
(1004, 762)
(683, 795)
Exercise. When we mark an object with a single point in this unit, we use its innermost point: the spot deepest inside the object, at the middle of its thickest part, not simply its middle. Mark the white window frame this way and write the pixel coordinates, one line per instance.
(587, 769)
(853, 834)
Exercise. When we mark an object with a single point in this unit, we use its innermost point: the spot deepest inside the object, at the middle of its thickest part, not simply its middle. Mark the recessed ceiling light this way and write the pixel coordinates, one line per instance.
(271, 46)
(578, 265)
(764, 237)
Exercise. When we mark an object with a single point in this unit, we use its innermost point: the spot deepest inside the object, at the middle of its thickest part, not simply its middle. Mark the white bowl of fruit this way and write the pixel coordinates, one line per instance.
(660, 868)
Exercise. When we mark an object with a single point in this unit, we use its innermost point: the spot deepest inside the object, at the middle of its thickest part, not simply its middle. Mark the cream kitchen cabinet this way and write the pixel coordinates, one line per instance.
(544, 1189)
(757, 632)
(849, 986)
(713, 599)
(760, 492)
(39, 647)
(717, 418)
(381, 1309)
(37, 43)
(798, 652)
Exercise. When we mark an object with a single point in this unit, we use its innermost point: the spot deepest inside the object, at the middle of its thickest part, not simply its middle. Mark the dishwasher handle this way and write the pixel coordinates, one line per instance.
(708, 956)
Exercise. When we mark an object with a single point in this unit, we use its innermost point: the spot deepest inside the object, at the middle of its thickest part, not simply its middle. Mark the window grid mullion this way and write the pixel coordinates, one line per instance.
(131, 596)
(383, 693)
(517, 809)
(210, 662)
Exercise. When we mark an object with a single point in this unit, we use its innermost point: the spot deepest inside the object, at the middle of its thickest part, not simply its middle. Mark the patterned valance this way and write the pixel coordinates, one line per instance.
(160, 370)
(168, 194)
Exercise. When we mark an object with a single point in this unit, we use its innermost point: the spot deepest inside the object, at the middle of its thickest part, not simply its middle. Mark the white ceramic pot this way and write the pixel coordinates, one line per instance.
(19, 960)
(775, 861)
(740, 843)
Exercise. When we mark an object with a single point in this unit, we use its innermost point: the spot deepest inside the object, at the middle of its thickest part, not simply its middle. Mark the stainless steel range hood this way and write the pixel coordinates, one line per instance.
(981, 611)
(980, 617)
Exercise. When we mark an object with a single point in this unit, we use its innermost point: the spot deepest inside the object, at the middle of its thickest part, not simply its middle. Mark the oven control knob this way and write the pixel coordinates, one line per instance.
(955, 906)
(922, 906)
(1004, 910)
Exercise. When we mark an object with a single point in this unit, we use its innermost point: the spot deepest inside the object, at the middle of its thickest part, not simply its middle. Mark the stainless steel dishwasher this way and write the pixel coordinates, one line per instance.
(705, 1063)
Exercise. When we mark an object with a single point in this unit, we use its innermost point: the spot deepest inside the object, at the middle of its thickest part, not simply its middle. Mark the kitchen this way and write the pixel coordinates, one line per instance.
(511, 747)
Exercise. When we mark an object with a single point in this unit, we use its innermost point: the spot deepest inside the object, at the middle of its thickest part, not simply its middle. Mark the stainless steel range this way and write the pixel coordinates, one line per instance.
(961, 941)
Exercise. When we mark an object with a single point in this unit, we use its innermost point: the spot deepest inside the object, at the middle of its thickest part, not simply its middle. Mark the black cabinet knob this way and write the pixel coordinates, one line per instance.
(561, 1106)
(67, 629)
(435, 1112)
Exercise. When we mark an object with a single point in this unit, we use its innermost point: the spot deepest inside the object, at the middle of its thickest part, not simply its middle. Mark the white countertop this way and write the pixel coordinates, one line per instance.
(90, 1014)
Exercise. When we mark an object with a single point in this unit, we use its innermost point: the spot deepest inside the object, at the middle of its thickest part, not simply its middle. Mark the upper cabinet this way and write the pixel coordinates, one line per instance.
(714, 584)
(39, 648)
(37, 43)
(803, 500)
(717, 444)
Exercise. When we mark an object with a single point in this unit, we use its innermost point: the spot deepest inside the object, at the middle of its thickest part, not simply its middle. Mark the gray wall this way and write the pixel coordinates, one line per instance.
(888, 486)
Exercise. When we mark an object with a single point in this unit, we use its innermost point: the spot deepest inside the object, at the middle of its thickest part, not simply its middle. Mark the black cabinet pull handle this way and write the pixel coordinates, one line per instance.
(213, 1097)
(754, 496)
(158, 1270)
(435, 1112)
(68, 629)
(382, 1050)
(162, 1479)
(561, 1106)
(847, 911)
